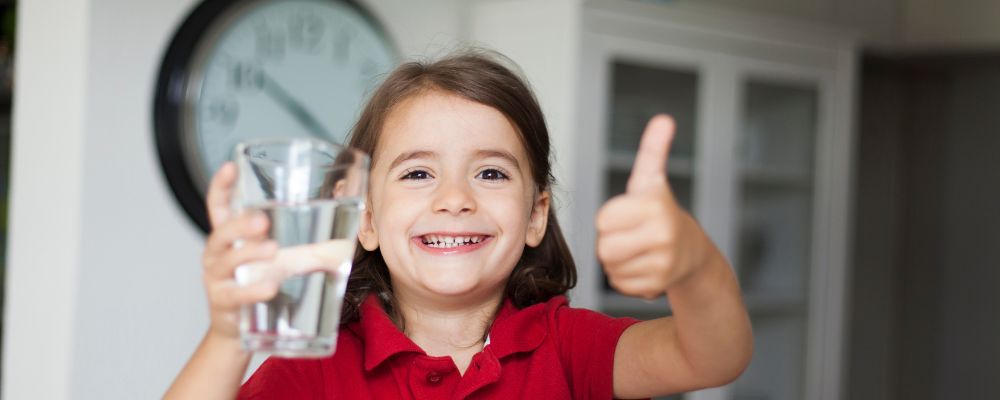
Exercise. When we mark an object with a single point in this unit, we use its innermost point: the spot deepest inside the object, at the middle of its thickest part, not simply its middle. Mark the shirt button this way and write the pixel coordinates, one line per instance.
(433, 377)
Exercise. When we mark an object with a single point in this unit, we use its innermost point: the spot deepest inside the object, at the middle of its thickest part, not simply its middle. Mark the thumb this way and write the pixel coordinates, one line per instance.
(649, 172)
(220, 191)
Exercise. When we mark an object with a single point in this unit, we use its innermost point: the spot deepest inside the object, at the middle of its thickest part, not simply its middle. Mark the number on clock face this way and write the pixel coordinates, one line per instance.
(283, 69)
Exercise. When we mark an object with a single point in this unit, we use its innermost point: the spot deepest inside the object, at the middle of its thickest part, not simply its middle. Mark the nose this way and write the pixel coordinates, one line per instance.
(454, 196)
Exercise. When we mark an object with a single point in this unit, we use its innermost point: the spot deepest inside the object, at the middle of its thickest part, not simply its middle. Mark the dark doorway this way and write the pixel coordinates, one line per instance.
(924, 321)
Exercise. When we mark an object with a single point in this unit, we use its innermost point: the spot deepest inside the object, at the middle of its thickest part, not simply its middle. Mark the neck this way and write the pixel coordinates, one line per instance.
(448, 328)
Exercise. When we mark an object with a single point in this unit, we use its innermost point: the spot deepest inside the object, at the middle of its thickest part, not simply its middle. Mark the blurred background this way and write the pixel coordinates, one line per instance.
(845, 156)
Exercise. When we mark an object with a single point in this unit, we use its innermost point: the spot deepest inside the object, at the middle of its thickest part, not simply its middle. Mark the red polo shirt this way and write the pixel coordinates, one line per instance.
(545, 351)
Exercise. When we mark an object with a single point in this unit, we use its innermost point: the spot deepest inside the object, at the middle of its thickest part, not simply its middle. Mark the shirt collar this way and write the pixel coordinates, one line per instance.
(380, 336)
(513, 331)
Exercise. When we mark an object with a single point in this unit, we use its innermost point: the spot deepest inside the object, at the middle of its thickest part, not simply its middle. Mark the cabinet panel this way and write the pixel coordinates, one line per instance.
(776, 168)
(638, 91)
(763, 113)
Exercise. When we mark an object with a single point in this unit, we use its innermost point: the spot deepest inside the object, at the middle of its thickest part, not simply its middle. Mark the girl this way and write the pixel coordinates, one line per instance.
(458, 287)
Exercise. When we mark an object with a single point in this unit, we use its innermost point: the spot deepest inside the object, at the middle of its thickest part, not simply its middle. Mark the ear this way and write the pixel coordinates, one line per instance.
(538, 220)
(366, 229)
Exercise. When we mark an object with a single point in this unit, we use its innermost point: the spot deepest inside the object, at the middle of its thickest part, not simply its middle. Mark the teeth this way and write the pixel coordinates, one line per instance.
(448, 242)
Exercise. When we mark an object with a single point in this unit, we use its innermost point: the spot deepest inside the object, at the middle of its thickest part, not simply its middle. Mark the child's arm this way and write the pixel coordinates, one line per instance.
(217, 366)
(213, 372)
(650, 246)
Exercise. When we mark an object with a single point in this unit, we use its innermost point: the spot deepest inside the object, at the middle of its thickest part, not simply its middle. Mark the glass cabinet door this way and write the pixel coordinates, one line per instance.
(638, 92)
(776, 145)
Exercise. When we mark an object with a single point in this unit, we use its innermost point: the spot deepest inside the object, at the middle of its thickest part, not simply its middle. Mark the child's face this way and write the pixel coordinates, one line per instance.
(450, 169)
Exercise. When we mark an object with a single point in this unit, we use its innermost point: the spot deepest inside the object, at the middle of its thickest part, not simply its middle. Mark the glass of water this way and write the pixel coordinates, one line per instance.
(313, 193)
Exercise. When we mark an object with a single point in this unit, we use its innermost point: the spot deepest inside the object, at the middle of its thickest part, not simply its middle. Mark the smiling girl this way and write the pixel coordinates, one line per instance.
(458, 287)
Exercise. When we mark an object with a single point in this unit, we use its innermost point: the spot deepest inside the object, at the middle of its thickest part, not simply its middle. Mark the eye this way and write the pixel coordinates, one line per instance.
(492, 174)
(415, 175)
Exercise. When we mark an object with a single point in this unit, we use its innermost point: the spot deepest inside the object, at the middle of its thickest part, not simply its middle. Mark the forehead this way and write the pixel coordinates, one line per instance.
(446, 124)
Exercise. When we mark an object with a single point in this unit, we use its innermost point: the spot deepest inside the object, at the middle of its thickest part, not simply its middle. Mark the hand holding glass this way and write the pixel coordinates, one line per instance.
(313, 193)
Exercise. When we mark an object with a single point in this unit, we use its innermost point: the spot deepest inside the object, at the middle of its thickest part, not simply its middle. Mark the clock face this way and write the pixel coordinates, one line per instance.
(292, 68)
(245, 69)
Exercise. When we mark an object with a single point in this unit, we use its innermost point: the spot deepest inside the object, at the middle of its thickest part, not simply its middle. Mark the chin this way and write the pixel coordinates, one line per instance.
(451, 287)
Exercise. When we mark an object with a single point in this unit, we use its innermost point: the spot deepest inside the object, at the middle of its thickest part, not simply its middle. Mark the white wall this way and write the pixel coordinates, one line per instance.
(103, 297)
(45, 208)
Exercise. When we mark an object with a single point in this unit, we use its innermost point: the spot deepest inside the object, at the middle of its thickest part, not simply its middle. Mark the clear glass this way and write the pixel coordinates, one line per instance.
(313, 193)
(777, 146)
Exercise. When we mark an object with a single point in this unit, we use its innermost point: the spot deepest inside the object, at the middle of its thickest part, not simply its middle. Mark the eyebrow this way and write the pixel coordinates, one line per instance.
(410, 155)
(506, 155)
(417, 154)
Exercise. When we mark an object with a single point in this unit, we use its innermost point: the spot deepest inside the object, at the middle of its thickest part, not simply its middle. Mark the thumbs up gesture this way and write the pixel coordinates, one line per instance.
(645, 240)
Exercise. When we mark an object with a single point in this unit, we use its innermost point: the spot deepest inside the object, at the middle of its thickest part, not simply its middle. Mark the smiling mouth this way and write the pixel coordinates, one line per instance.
(449, 242)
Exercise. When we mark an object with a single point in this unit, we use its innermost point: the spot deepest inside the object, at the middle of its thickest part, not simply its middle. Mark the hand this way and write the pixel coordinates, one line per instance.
(645, 240)
(221, 257)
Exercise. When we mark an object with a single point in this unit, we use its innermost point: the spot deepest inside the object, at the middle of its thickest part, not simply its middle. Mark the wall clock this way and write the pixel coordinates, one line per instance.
(243, 69)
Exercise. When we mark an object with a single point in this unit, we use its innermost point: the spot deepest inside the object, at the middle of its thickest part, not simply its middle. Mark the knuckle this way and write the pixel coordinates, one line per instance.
(603, 250)
(605, 216)
(270, 289)
(600, 221)
(617, 284)
(610, 269)
(232, 259)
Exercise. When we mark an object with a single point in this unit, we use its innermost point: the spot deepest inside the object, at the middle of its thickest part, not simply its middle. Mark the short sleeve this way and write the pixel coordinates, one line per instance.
(279, 378)
(587, 340)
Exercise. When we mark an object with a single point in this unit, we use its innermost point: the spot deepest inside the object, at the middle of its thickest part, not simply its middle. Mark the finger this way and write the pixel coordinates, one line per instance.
(328, 255)
(616, 248)
(647, 265)
(247, 227)
(247, 253)
(649, 169)
(230, 295)
(220, 193)
(638, 287)
(628, 212)
(634, 277)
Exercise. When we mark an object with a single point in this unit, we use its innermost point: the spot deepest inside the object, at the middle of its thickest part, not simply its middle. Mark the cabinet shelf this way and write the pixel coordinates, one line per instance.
(758, 302)
(622, 161)
(775, 177)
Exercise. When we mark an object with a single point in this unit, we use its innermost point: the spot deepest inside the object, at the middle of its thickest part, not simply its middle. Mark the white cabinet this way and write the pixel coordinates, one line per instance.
(762, 157)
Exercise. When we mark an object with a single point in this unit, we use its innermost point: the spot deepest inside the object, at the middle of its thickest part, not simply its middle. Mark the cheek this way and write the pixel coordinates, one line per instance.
(394, 211)
(510, 212)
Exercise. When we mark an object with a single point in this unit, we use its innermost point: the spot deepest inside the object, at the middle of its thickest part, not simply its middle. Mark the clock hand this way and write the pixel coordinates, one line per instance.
(294, 107)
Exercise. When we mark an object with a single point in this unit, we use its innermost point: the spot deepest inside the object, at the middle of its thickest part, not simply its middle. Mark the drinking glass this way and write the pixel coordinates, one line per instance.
(312, 193)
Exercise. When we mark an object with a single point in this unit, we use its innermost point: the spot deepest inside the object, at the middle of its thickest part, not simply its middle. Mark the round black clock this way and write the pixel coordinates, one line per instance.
(244, 69)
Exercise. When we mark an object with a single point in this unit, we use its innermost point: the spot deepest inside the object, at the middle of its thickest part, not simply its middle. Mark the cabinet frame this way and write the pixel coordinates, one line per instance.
(566, 48)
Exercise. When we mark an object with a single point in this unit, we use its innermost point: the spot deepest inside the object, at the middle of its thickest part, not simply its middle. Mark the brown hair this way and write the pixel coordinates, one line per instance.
(543, 271)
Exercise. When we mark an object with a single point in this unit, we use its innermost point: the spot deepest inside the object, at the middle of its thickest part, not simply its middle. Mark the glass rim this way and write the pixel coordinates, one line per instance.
(242, 145)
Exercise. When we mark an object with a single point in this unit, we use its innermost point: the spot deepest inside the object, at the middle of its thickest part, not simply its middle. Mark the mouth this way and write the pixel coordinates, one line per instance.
(449, 243)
